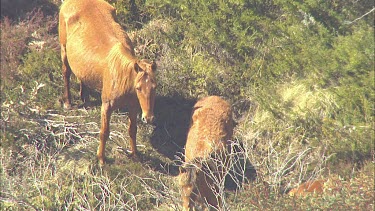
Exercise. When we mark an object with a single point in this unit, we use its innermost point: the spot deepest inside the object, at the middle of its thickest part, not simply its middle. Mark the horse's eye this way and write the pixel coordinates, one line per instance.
(138, 88)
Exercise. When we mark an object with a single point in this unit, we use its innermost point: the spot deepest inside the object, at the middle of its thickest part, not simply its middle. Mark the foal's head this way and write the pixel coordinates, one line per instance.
(145, 86)
(186, 180)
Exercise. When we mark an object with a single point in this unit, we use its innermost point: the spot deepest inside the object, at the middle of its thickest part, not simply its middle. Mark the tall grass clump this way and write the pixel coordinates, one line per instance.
(299, 75)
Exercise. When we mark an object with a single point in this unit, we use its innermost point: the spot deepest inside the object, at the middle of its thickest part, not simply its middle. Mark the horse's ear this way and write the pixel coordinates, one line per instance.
(153, 66)
(137, 68)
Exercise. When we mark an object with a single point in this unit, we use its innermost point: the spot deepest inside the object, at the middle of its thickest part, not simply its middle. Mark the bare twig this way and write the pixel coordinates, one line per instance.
(350, 22)
(11, 199)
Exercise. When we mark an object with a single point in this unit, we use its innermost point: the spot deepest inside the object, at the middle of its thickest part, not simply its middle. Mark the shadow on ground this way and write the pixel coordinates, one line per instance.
(169, 138)
(172, 119)
(242, 170)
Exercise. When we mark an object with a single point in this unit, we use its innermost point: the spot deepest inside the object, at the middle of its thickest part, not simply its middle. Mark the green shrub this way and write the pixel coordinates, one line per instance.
(298, 74)
(131, 14)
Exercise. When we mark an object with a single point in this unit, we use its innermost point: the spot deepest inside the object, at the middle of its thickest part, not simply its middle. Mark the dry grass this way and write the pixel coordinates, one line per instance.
(48, 155)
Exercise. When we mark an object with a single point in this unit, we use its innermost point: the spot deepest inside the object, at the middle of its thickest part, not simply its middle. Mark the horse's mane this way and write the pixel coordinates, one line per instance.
(120, 66)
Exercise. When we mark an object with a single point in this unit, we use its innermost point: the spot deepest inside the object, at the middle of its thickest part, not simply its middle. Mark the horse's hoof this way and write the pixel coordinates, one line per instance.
(101, 162)
(85, 105)
(135, 158)
(101, 158)
(67, 106)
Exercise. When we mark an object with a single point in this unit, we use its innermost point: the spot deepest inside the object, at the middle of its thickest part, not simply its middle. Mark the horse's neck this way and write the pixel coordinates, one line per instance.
(121, 68)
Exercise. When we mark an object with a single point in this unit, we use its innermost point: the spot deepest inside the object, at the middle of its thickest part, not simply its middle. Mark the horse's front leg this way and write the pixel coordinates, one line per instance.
(133, 132)
(104, 131)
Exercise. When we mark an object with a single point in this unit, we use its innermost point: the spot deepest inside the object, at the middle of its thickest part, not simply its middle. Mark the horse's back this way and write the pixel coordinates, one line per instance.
(73, 10)
(89, 26)
(88, 31)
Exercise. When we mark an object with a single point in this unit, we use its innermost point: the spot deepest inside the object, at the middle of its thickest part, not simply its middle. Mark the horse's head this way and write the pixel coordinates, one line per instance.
(145, 86)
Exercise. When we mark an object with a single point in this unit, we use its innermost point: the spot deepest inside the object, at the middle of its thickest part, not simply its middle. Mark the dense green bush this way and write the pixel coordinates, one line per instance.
(131, 14)
(299, 74)
(263, 50)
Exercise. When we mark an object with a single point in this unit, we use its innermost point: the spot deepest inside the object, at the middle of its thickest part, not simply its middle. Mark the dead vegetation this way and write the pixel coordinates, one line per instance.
(291, 129)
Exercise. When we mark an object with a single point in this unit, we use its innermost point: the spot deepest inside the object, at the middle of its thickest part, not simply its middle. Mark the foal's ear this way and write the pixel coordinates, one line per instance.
(182, 169)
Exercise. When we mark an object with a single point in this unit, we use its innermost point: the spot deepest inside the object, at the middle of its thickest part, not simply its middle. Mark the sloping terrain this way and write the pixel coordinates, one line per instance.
(299, 76)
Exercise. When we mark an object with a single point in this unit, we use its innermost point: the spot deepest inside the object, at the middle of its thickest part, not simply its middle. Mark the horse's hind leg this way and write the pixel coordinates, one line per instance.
(85, 95)
(66, 71)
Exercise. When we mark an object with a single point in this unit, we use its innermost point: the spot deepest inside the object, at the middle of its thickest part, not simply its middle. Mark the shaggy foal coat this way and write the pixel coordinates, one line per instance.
(206, 153)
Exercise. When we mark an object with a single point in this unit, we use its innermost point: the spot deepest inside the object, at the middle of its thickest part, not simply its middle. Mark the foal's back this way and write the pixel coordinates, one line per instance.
(211, 128)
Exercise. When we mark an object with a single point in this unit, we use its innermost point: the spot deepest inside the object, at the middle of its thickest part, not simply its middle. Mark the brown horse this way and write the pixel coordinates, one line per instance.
(96, 49)
(315, 186)
(206, 153)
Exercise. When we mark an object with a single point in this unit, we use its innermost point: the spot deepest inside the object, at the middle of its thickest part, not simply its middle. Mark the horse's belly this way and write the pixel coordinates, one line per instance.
(93, 82)
(86, 68)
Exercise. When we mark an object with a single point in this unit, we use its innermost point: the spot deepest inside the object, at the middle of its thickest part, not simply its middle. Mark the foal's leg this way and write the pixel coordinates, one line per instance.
(84, 94)
(104, 131)
(66, 71)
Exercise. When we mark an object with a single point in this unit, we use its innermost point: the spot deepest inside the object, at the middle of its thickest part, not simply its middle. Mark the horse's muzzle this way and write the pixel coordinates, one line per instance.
(148, 119)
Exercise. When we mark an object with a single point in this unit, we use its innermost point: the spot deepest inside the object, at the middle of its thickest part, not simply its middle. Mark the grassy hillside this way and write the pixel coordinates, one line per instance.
(299, 75)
